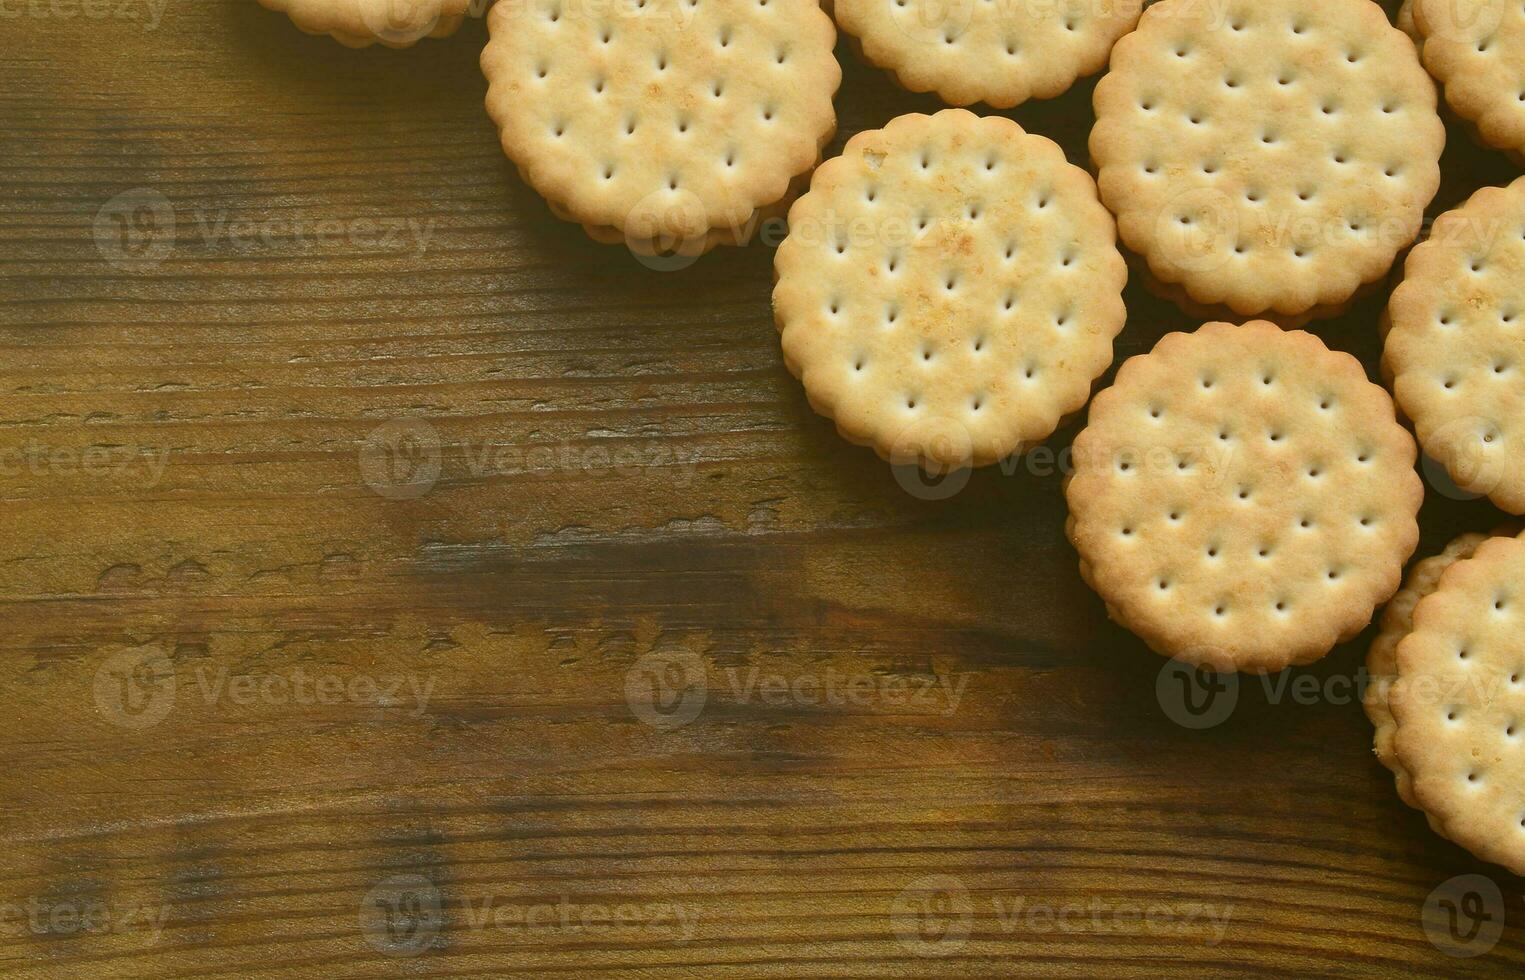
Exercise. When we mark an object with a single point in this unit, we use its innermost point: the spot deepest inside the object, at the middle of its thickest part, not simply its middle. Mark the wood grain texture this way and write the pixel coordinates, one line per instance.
(345, 709)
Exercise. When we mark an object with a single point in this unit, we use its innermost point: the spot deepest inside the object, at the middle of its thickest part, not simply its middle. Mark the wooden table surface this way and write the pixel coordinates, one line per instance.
(397, 584)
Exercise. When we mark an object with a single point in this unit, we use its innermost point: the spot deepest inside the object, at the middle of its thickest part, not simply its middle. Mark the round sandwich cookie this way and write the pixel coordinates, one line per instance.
(1382, 659)
(361, 23)
(949, 289)
(1405, 21)
(1270, 158)
(1459, 702)
(1476, 50)
(669, 125)
(1001, 54)
(1243, 497)
(1455, 347)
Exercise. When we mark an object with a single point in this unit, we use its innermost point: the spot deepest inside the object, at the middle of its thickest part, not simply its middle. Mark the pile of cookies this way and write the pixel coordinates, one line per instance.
(1243, 498)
